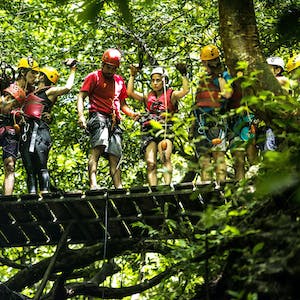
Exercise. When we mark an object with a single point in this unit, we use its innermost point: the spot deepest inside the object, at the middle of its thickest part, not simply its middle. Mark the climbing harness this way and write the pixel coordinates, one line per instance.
(213, 134)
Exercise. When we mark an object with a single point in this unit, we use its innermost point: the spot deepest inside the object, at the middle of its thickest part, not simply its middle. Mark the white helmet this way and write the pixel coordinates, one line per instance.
(161, 71)
(276, 61)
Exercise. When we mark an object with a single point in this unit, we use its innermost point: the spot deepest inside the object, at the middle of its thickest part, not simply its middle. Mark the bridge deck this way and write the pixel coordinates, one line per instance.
(28, 220)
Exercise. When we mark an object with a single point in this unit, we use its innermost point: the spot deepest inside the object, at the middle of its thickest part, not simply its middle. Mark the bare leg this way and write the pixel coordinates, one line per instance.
(151, 160)
(115, 171)
(93, 165)
(220, 166)
(252, 152)
(9, 177)
(239, 164)
(206, 167)
(166, 160)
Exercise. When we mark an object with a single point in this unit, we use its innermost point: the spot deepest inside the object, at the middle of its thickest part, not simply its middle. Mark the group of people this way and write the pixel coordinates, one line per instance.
(26, 114)
(212, 132)
(107, 93)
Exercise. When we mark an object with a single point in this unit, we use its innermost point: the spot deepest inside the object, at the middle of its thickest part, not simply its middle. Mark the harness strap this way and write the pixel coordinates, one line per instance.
(33, 137)
(201, 120)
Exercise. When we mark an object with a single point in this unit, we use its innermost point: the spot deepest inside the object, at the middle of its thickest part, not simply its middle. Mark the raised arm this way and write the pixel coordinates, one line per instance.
(56, 91)
(176, 95)
(130, 85)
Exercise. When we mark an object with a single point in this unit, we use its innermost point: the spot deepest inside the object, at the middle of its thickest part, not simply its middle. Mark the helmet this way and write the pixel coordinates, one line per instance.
(112, 57)
(161, 71)
(293, 63)
(28, 63)
(276, 61)
(51, 74)
(209, 52)
(17, 92)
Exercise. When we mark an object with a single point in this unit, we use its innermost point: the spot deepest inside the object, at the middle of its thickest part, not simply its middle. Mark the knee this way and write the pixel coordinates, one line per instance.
(92, 164)
(239, 157)
(151, 166)
(204, 160)
(9, 166)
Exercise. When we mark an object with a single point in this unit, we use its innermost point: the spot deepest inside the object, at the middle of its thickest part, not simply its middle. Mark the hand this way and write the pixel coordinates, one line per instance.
(134, 70)
(181, 67)
(136, 116)
(82, 122)
(70, 62)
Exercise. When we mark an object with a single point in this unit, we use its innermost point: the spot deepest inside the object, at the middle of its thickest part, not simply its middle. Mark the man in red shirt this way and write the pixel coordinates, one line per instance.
(107, 93)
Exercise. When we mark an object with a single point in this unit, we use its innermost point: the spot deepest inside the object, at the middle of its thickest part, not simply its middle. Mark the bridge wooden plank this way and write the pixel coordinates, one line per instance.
(14, 235)
(45, 218)
(79, 209)
(21, 214)
(124, 206)
(36, 221)
(4, 216)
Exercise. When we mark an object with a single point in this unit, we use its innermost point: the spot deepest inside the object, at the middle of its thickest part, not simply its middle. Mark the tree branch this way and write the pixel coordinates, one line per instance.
(117, 293)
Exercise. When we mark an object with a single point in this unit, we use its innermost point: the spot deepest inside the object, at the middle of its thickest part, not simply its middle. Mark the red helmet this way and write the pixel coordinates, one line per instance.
(17, 92)
(112, 57)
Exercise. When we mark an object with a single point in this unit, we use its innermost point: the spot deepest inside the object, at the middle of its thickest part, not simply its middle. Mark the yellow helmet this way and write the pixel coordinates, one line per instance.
(28, 63)
(293, 63)
(51, 74)
(209, 52)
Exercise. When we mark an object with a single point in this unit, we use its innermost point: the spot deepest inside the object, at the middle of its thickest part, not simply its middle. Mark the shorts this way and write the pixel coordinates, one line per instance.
(240, 132)
(103, 134)
(150, 134)
(9, 141)
(210, 132)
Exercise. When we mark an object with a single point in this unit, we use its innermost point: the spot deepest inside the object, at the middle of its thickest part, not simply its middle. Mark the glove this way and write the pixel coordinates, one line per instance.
(70, 62)
(134, 70)
(181, 67)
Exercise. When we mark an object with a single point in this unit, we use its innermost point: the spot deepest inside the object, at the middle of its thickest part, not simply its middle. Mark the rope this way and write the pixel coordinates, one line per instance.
(166, 105)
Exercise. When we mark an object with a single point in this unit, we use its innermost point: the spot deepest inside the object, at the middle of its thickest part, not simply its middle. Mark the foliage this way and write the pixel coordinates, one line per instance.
(245, 240)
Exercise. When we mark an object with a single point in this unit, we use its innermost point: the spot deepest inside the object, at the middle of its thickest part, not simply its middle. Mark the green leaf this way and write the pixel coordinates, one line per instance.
(258, 247)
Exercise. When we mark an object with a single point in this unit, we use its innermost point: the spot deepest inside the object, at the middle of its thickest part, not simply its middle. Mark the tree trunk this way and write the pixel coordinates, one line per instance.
(240, 41)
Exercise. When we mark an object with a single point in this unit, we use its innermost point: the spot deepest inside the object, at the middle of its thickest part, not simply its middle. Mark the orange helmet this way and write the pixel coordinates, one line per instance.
(209, 52)
(112, 57)
(17, 92)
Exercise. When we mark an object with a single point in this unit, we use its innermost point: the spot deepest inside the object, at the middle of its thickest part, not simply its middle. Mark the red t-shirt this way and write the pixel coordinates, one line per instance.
(105, 95)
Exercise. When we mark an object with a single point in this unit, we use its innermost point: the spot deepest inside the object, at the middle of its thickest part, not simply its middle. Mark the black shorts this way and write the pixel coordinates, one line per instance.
(9, 141)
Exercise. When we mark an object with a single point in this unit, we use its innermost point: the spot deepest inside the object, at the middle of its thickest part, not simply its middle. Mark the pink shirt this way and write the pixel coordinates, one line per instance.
(155, 104)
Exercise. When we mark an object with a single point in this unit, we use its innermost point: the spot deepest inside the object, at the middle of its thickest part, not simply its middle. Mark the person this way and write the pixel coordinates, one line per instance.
(35, 142)
(277, 67)
(13, 98)
(293, 68)
(161, 103)
(242, 135)
(210, 128)
(107, 97)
